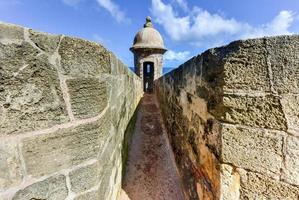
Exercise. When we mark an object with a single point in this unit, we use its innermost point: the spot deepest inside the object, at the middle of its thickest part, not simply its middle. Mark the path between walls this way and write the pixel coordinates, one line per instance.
(151, 173)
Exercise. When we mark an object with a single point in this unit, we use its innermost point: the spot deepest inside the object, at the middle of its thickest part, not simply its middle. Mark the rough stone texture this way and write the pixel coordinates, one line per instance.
(88, 96)
(290, 106)
(30, 94)
(88, 196)
(291, 165)
(47, 43)
(64, 106)
(252, 149)
(73, 145)
(193, 132)
(283, 58)
(230, 182)
(10, 34)
(246, 66)
(85, 178)
(233, 111)
(53, 188)
(263, 111)
(82, 58)
(106, 182)
(257, 186)
(10, 165)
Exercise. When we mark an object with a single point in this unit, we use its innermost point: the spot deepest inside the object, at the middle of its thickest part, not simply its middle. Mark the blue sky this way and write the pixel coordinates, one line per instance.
(187, 26)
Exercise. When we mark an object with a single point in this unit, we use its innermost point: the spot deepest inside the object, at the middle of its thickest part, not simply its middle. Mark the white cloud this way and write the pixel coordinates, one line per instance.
(278, 26)
(175, 27)
(183, 4)
(108, 5)
(113, 9)
(176, 56)
(202, 27)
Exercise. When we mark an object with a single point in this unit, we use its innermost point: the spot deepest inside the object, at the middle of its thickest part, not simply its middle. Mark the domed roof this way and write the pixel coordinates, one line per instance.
(148, 38)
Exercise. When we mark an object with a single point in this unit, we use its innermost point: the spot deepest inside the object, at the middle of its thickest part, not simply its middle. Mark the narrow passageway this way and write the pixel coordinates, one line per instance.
(151, 173)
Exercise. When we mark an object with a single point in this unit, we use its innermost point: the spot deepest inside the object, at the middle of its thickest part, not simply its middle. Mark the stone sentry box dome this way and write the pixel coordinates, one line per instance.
(148, 49)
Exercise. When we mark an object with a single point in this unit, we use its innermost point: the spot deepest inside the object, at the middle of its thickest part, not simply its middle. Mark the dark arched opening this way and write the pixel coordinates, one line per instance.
(148, 77)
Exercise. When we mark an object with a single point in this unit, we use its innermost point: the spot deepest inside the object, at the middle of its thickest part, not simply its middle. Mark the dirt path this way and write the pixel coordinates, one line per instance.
(151, 173)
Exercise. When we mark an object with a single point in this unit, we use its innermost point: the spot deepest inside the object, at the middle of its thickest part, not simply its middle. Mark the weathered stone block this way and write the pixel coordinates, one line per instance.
(88, 196)
(114, 64)
(245, 58)
(53, 188)
(120, 67)
(116, 87)
(44, 41)
(105, 186)
(81, 58)
(107, 179)
(11, 34)
(49, 153)
(117, 112)
(257, 186)
(88, 96)
(260, 111)
(85, 178)
(30, 94)
(252, 149)
(14, 56)
(290, 107)
(32, 103)
(110, 147)
(117, 67)
(251, 87)
(10, 165)
(290, 172)
(283, 55)
(230, 183)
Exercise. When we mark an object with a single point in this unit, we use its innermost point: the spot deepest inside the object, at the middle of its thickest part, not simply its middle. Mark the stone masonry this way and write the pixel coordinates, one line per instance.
(232, 115)
(68, 110)
(65, 104)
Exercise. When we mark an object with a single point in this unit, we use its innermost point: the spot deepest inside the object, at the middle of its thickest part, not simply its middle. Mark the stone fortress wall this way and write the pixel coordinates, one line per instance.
(65, 104)
(232, 115)
(67, 109)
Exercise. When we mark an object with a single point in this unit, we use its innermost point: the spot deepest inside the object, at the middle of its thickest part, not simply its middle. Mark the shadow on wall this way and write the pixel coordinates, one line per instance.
(188, 96)
(127, 140)
(65, 104)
